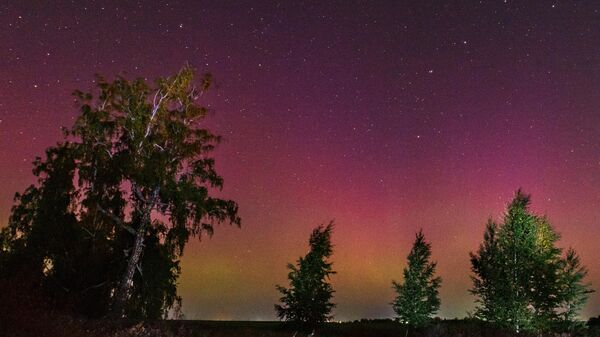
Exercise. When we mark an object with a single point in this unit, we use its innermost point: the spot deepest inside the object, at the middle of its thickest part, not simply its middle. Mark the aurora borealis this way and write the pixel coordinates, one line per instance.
(387, 117)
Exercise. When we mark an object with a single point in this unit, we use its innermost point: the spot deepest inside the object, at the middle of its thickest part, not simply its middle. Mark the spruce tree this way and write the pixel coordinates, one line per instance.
(308, 299)
(417, 298)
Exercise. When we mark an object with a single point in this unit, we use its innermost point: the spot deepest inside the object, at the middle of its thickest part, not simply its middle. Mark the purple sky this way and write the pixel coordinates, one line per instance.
(386, 117)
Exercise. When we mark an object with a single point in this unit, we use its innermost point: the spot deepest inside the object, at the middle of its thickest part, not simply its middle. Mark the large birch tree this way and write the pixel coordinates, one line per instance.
(156, 136)
(135, 175)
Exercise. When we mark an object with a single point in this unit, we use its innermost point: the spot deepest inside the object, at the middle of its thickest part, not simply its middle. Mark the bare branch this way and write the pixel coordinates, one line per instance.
(156, 106)
(116, 219)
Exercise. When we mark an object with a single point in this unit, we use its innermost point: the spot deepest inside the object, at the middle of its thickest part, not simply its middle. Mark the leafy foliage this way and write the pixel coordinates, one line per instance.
(520, 278)
(575, 292)
(308, 299)
(117, 201)
(417, 298)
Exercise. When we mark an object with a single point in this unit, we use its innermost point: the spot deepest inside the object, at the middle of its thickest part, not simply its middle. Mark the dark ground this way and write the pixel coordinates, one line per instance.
(185, 328)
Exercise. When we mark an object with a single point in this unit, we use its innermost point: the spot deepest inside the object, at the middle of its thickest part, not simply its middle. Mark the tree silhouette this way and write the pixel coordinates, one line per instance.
(575, 292)
(308, 298)
(119, 199)
(520, 278)
(417, 298)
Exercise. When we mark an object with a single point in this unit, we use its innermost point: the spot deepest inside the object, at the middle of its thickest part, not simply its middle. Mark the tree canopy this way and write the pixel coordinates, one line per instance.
(522, 280)
(133, 180)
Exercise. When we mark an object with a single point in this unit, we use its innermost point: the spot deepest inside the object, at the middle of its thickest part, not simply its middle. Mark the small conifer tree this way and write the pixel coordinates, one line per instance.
(307, 301)
(417, 298)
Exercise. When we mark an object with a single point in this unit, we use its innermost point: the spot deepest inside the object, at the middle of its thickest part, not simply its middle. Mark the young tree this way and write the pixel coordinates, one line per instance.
(575, 292)
(417, 298)
(308, 299)
(520, 278)
(490, 284)
(132, 182)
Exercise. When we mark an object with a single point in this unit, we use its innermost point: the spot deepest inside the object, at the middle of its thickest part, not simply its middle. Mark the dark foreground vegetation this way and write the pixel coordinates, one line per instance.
(69, 327)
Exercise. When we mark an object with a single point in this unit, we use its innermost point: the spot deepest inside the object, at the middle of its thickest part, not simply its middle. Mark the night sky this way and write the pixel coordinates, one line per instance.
(386, 116)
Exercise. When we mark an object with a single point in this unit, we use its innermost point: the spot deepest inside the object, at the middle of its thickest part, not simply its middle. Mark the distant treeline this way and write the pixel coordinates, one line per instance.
(102, 232)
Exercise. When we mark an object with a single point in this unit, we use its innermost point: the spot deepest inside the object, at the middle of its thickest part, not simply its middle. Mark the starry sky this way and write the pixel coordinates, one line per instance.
(387, 116)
